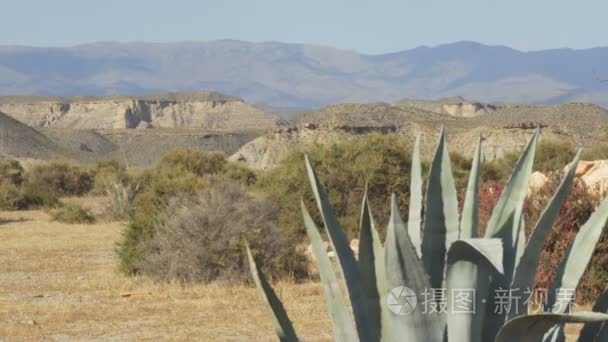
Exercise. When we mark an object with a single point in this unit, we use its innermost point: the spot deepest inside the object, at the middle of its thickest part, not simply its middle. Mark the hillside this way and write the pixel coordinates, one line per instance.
(502, 128)
(19, 140)
(210, 111)
(307, 76)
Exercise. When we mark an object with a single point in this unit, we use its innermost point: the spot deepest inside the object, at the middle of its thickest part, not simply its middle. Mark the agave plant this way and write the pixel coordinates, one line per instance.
(438, 248)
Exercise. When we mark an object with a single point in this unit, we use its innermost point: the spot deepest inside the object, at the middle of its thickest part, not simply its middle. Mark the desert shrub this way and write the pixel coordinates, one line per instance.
(240, 174)
(11, 172)
(179, 172)
(60, 178)
(9, 195)
(73, 214)
(120, 196)
(461, 167)
(381, 161)
(108, 172)
(553, 154)
(573, 214)
(193, 161)
(579, 205)
(596, 152)
(24, 197)
(201, 238)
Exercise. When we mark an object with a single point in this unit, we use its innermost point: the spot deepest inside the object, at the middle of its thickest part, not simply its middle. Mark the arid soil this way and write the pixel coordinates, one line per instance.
(59, 282)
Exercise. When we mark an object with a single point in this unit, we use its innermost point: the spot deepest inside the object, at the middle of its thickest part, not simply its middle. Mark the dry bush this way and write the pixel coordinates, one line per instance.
(72, 214)
(60, 178)
(202, 236)
(11, 172)
(576, 210)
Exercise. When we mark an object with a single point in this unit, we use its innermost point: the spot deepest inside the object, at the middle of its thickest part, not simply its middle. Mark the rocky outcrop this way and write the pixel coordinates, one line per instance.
(537, 181)
(203, 110)
(454, 106)
(594, 174)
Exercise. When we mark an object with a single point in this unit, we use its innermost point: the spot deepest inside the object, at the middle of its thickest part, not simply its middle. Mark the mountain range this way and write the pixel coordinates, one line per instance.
(308, 76)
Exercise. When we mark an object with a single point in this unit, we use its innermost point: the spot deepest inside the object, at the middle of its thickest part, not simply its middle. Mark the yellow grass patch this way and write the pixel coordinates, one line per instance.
(59, 281)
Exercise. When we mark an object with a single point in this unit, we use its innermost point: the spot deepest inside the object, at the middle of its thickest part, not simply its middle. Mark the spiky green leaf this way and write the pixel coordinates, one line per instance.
(280, 321)
(592, 331)
(414, 223)
(526, 268)
(505, 223)
(532, 328)
(403, 268)
(506, 216)
(343, 325)
(441, 223)
(371, 263)
(349, 266)
(472, 263)
(577, 257)
(469, 217)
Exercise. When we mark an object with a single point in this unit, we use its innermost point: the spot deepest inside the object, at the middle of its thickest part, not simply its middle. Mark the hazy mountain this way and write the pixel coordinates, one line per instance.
(291, 75)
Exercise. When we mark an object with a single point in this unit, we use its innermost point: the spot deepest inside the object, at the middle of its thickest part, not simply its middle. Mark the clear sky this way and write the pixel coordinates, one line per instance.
(366, 26)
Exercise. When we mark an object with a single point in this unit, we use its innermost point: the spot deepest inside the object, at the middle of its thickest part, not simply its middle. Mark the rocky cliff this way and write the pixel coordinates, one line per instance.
(194, 110)
(502, 128)
(456, 106)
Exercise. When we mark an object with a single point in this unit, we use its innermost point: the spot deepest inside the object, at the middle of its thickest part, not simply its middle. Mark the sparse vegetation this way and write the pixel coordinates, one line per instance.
(179, 173)
(381, 162)
(11, 172)
(72, 214)
(201, 238)
(442, 248)
(60, 178)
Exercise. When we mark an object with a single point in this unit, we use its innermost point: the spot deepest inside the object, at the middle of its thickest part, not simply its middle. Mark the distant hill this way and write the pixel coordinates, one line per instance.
(211, 111)
(19, 140)
(306, 76)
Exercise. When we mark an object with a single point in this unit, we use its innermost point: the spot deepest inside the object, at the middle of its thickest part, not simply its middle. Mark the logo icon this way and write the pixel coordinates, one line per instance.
(401, 300)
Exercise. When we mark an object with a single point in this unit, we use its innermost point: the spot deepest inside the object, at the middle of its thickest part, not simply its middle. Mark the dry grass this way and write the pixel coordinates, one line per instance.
(59, 282)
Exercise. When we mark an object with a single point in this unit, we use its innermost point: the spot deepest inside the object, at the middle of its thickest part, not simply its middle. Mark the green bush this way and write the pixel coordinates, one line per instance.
(551, 155)
(381, 161)
(60, 178)
(177, 173)
(107, 172)
(25, 197)
(11, 172)
(201, 238)
(596, 152)
(73, 214)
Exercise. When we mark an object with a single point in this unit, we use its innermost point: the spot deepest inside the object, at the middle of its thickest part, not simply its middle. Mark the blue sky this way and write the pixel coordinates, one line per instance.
(366, 26)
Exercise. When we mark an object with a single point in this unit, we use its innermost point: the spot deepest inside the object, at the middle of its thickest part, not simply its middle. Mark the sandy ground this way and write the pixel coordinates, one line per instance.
(59, 282)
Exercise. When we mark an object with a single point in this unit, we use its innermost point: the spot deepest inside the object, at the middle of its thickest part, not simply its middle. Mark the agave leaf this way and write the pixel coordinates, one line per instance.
(441, 223)
(555, 334)
(472, 263)
(526, 268)
(371, 263)
(280, 320)
(343, 325)
(415, 213)
(469, 218)
(403, 268)
(576, 259)
(592, 330)
(505, 220)
(346, 260)
(505, 223)
(532, 328)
